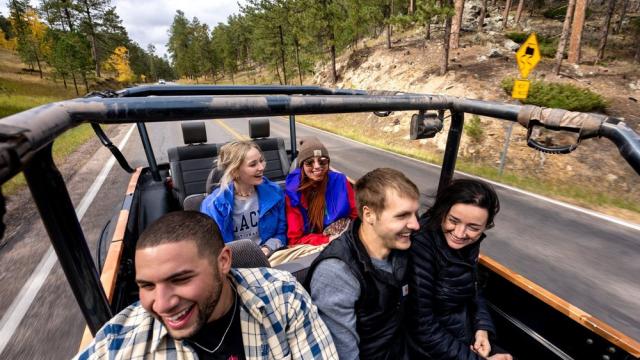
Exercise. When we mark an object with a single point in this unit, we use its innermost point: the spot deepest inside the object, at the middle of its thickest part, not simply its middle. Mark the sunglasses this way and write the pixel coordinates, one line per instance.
(322, 161)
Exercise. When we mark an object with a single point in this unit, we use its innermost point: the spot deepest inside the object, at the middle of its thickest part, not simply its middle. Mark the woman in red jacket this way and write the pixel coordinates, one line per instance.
(319, 201)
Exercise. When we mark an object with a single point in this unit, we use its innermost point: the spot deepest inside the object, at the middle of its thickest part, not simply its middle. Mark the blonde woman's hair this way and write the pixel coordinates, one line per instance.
(231, 157)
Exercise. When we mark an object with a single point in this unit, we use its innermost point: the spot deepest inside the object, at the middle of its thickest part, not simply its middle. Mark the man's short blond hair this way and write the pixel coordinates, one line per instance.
(371, 189)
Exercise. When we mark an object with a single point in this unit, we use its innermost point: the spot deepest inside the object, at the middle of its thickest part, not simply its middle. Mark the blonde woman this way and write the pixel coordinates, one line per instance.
(247, 205)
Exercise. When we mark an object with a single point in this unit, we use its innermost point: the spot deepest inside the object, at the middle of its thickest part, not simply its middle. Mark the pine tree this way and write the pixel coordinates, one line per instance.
(605, 29)
(562, 44)
(577, 27)
(483, 13)
(444, 63)
(30, 33)
(456, 24)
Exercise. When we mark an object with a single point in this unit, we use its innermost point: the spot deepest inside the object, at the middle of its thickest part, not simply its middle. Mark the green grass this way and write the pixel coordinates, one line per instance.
(562, 96)
(12, 104)
(64, 146)
(17, 96)
(566, 192)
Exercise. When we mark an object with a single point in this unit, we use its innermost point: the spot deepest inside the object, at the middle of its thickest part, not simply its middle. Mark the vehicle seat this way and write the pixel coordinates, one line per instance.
(190, 165)
(275, 154)
(247, 254)
(192, 202)
(299, 267)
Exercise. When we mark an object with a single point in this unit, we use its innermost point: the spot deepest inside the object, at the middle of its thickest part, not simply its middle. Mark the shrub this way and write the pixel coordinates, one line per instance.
(517, 36)
(562, 96)
(547, 45)
(473, 128)
(559, 13)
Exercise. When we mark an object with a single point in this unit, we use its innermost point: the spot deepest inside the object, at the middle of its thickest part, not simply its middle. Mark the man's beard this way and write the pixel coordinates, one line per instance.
(205, 309)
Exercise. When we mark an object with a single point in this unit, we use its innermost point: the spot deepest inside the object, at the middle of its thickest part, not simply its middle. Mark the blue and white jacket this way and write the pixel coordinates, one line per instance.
(272, 222)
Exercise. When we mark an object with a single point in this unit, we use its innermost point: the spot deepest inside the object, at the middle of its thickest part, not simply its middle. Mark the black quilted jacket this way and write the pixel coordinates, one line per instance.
(445, 308)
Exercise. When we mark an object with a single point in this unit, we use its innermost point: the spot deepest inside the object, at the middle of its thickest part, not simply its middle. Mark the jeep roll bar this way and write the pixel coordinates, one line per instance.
(26, 141)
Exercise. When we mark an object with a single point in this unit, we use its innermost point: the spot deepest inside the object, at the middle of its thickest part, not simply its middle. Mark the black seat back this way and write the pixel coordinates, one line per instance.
(193, 202)
(190, 165)
(275, 153)
(247, 254)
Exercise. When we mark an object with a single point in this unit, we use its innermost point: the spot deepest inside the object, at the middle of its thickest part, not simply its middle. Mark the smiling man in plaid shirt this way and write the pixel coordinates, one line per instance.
(193, 305)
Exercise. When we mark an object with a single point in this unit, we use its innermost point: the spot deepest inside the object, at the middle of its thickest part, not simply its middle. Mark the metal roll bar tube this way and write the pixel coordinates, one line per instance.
(43, 124)
(52, 199)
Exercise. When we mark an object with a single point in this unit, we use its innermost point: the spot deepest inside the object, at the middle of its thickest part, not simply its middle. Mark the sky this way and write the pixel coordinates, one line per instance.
(148, 21)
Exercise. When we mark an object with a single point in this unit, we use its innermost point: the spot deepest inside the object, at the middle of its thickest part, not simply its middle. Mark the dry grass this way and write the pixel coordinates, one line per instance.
(20, 91)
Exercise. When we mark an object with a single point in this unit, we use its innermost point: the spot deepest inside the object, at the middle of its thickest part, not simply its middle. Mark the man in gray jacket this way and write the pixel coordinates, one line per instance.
(358, 281)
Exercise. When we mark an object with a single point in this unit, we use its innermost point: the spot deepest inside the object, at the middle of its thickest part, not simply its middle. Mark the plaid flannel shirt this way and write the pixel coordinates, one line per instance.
(277, 319)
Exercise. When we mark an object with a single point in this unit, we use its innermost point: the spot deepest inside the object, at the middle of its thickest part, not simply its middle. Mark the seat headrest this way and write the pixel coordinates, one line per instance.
(194, 132)
(213, 180)
(259, 128)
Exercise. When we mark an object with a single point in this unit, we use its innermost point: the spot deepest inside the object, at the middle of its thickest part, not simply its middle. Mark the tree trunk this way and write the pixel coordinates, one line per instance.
(92, 39)
(67, 14)
(86, 83)
(483, 13)
(35, 53)
(334, 72)
(412, 7)
(562, 44)
(519, 13)
(297, 47)
(389, 25)
(623, 12)
(64, 81)
(388, 36)
(284, 67)
(505, 15)
(75, 83)
(427, 32)
(605, 30)
(444, 64)
(576, 31)
(456, 24)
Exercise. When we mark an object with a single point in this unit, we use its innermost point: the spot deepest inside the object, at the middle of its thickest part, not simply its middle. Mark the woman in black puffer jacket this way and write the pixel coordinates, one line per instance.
(450, 319)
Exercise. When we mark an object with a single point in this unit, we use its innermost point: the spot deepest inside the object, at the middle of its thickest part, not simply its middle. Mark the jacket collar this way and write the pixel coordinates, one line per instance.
(251, 297)
(398, 258)
(268, 196)
(467, 255)
(292, 183)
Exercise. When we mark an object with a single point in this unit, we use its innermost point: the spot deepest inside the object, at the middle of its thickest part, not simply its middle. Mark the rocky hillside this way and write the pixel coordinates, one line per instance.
(477, 69)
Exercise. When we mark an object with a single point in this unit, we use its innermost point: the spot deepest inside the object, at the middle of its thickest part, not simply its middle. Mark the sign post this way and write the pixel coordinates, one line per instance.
(527, 57)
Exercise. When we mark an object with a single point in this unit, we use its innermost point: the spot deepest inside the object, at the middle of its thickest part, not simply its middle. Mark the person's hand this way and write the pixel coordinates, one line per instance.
(500, 357)
(266, 251)
(481, 345)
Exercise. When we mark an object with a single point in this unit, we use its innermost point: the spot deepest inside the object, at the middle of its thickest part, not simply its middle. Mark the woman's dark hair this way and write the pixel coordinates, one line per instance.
(463, 191)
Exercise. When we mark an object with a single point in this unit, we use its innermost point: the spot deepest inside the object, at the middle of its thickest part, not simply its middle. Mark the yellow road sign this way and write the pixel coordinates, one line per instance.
(528, 55)
(520, 89)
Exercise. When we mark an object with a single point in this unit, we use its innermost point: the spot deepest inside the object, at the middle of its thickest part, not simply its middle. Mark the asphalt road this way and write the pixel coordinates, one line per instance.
(584, 259)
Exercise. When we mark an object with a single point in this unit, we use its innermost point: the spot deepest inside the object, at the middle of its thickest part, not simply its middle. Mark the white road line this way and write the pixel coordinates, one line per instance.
(21, 304)
(539, 197)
